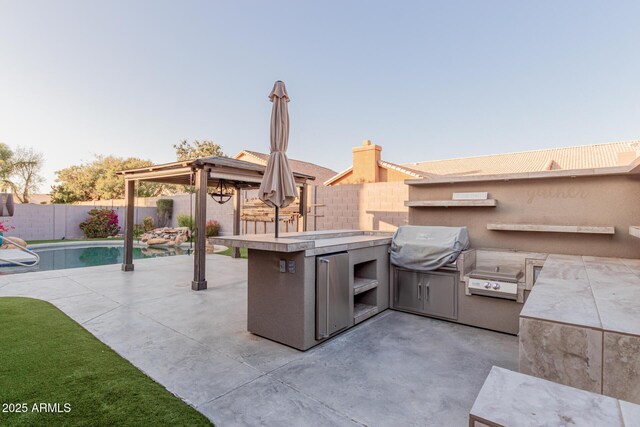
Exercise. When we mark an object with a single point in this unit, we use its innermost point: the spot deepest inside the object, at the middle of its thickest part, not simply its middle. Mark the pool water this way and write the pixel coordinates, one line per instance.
(59, 258)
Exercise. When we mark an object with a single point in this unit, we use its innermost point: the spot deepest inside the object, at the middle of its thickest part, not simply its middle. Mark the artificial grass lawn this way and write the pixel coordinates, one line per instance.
(45, 357)
(244, 252)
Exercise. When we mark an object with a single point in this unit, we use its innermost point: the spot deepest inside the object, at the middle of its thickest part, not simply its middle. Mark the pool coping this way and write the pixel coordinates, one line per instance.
(88, 243)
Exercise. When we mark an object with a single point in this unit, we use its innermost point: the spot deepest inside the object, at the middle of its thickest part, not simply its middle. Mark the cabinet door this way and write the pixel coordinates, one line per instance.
(332, 295)
(407, 291)
(440, 295)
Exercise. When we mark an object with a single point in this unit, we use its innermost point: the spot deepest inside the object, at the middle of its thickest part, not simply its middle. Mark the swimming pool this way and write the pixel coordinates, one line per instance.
(61, 257)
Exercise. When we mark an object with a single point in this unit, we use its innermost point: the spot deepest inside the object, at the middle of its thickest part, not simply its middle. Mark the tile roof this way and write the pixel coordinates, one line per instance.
(401, 168)
(387, 165)
(321, 173)
(567, 158)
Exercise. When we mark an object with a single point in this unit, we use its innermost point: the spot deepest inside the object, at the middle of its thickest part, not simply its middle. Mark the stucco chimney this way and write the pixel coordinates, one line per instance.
(365, 162)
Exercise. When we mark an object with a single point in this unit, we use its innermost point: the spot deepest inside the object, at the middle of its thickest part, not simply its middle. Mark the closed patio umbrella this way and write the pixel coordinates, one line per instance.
(278, 187)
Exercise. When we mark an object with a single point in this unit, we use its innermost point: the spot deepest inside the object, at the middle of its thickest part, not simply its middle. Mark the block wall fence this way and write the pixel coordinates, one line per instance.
(378, 206)
(49, 222)
(580, 201)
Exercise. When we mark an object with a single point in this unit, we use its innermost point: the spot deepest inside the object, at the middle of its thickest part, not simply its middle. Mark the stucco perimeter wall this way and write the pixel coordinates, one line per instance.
(585, 201)
(215, 211)
(375, 206)
(181, 202)
(48, 222)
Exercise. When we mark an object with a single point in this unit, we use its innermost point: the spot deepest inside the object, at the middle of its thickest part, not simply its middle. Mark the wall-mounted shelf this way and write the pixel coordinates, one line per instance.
(488, 203)
(634, 230)
(540, 228)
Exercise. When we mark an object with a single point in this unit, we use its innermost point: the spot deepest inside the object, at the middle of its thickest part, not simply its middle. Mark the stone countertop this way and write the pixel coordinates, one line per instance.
(599, 293)
(312, 242)
(513, 399)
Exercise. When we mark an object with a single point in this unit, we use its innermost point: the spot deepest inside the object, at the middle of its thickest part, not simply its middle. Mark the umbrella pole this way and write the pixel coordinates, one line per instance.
(277, 222)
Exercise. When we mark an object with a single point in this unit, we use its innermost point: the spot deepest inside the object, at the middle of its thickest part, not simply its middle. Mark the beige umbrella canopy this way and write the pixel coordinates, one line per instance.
(278, 188)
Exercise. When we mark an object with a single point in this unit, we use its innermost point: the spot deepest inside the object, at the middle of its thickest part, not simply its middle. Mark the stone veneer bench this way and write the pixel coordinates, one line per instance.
(580, 325)
(511, 399)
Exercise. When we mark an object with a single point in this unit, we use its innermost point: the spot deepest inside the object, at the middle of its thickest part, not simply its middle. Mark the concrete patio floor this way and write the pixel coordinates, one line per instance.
(395, 369)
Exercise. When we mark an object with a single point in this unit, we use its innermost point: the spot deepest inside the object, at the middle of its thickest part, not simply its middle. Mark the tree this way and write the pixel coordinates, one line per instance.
(6, 155)
(193, 150)
(20, 171)
(99, 180)
(26, 165)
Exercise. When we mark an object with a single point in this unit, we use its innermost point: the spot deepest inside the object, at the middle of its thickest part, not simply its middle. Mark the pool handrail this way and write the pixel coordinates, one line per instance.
(22, 248)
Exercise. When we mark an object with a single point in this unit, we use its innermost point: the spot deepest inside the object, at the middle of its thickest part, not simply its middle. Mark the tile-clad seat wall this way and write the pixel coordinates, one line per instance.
(512, 399)
(581, 325)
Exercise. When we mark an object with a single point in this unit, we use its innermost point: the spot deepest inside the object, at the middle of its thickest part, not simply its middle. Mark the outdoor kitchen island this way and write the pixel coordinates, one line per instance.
(304, 288)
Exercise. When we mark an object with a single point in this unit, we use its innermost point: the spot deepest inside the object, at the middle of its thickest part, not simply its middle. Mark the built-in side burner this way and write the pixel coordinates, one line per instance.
(499, 283)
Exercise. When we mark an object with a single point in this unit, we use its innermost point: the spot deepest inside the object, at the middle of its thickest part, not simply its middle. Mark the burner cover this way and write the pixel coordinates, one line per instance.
(505, 275)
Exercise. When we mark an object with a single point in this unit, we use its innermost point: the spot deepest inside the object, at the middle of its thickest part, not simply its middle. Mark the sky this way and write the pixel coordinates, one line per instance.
(426, 80)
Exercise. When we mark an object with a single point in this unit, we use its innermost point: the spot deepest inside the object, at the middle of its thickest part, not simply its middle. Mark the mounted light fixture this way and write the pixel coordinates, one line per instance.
(222, 193)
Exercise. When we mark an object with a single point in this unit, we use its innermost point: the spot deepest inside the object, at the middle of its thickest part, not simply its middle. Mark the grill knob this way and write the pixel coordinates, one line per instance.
(496, 286)
(487, 285)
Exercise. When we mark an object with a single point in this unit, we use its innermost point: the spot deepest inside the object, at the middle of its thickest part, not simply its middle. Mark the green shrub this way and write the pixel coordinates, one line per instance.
(213, 228)
(186, 220)
(101, 223)
(165, 211)
(138, 231)
(147, 223)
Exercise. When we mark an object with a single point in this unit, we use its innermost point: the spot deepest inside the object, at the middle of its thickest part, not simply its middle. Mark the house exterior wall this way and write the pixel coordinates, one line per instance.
(596, 201)
(248, 158)
(392, 175)
(384, 175)
(366, 167)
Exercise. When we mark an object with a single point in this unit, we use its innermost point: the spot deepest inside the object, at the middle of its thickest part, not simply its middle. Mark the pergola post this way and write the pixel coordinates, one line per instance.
(304, 202)
(129, 193)
(200, 255)
(236, 218)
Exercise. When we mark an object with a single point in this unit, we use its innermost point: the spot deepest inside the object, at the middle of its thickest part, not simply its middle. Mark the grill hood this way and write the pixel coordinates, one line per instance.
(425, 248)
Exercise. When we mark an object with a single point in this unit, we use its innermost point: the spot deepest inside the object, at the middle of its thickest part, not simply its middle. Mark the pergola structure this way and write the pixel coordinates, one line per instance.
(202, 174)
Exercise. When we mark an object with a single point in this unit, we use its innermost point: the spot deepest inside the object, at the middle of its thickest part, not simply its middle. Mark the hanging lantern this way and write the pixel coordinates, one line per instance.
(222, 193)
(6, 204)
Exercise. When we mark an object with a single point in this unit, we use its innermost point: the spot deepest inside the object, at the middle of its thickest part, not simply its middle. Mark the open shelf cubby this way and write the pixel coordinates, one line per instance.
(362, 312)
(365, 293)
